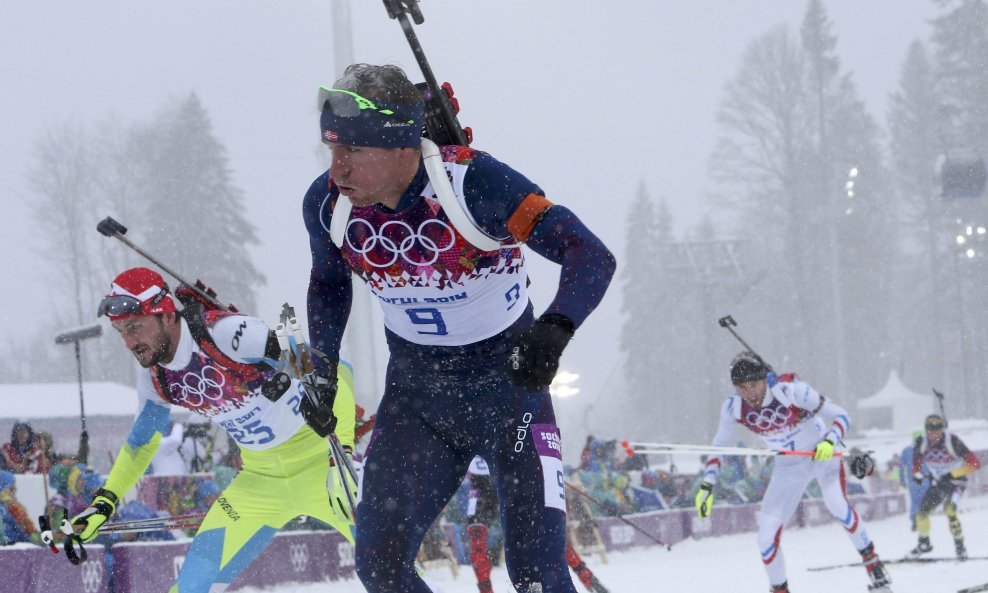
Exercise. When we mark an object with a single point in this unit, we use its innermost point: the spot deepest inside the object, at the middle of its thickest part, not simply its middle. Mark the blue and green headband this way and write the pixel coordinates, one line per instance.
(348, 118)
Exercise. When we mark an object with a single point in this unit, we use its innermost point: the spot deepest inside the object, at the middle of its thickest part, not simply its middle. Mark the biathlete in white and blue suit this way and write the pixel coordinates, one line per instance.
(436, 233)
(788, 414)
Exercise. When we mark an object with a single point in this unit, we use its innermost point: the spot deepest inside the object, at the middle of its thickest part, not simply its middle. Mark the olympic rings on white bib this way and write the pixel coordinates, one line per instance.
(767, 418)
(196, 389)
(412, 237)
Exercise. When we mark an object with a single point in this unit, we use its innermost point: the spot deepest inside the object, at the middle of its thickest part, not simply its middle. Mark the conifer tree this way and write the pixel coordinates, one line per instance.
(196, 215)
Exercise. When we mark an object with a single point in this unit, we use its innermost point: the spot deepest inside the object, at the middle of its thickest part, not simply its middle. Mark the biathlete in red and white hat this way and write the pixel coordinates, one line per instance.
(214, 364)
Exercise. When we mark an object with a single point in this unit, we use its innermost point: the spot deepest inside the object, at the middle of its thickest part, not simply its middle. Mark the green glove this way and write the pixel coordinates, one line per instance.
(824, 451)
(96, 514)
(704, 501)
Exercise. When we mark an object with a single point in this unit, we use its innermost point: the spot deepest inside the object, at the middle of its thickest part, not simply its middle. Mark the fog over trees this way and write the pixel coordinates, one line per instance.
(167, 180)
(846, 264)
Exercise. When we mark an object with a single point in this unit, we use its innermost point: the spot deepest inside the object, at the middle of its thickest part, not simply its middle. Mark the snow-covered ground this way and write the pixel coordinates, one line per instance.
(731, 564)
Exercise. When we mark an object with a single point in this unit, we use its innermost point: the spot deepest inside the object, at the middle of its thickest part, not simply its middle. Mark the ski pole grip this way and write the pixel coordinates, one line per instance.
(110, 227)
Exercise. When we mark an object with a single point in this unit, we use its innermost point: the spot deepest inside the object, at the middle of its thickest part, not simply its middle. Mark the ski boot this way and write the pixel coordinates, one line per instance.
(961, 550)
(923, 547)
(877, 574)
(783, 588)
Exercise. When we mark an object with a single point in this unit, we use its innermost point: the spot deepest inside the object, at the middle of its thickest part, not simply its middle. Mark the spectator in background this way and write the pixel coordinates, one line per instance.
(73, 483)
(23, 454)
(47, 444)
(17, 525)
(482, 518)
(197, 448)
(916, 488)
(168, 460)
(586, 453)
(683, 486)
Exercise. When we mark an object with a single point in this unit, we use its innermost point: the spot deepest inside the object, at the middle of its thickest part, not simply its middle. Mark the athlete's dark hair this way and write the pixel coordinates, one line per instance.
(384, 83)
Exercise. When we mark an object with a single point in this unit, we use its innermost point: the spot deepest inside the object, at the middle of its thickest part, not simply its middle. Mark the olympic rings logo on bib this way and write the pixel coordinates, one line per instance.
(429, 248)
(195, 389)
(768, 418)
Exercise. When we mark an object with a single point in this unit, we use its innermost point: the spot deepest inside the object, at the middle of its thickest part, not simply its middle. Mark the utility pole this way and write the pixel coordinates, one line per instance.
(74, 336)
(837, 284)
(361, 331)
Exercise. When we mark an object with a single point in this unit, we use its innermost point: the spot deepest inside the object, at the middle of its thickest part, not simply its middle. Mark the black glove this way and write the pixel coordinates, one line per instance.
(948, 482)
(535, 356)
(318, 414)
(862, 465)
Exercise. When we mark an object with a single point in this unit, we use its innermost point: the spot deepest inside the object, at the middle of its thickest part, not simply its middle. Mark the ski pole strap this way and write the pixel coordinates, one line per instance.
(76, 558)
(46, 534)
(71, 540)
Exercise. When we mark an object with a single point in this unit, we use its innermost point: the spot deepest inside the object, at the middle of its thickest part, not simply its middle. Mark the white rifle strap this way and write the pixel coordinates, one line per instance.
(341, 216)
(454, 209)
(447, 199)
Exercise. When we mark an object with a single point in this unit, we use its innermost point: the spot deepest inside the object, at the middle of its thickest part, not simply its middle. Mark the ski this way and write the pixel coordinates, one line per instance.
(906, 560)
(974, 589)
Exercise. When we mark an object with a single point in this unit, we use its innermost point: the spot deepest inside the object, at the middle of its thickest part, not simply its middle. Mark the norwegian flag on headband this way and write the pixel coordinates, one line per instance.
(147, 286)
(329, 136)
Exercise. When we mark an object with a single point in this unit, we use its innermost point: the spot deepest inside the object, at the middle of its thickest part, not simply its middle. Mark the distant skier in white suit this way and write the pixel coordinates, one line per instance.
(789, 414)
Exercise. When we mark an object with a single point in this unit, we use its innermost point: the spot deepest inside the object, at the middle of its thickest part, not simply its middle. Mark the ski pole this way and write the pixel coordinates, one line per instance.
(616, 515)
(297, 355)
(162, 526)
(727, 322)
(111, 228)
(738, 452)
(635, 448)
(73, 337)
(52, 537)
(154, 520)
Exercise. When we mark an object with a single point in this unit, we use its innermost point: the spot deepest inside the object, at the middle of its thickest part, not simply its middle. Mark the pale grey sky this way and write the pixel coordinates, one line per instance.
(586, 98)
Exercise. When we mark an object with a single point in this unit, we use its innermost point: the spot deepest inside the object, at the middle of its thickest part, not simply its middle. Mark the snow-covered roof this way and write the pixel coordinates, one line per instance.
(895, 393)
(57, 400)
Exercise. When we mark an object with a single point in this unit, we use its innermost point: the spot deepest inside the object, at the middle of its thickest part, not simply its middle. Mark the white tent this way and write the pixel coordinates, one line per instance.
(909, 409)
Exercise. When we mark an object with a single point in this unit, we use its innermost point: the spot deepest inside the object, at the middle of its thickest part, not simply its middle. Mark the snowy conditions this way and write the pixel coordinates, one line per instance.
(731, 563)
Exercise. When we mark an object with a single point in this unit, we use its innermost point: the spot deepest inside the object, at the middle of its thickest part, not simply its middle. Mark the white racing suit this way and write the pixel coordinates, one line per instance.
(793, 416)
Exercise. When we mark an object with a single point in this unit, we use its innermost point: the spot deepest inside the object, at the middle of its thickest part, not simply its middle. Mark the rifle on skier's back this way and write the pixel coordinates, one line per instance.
(441, 107)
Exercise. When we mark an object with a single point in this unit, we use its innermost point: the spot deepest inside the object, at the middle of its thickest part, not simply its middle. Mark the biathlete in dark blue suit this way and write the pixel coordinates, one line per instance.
(436, 233)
